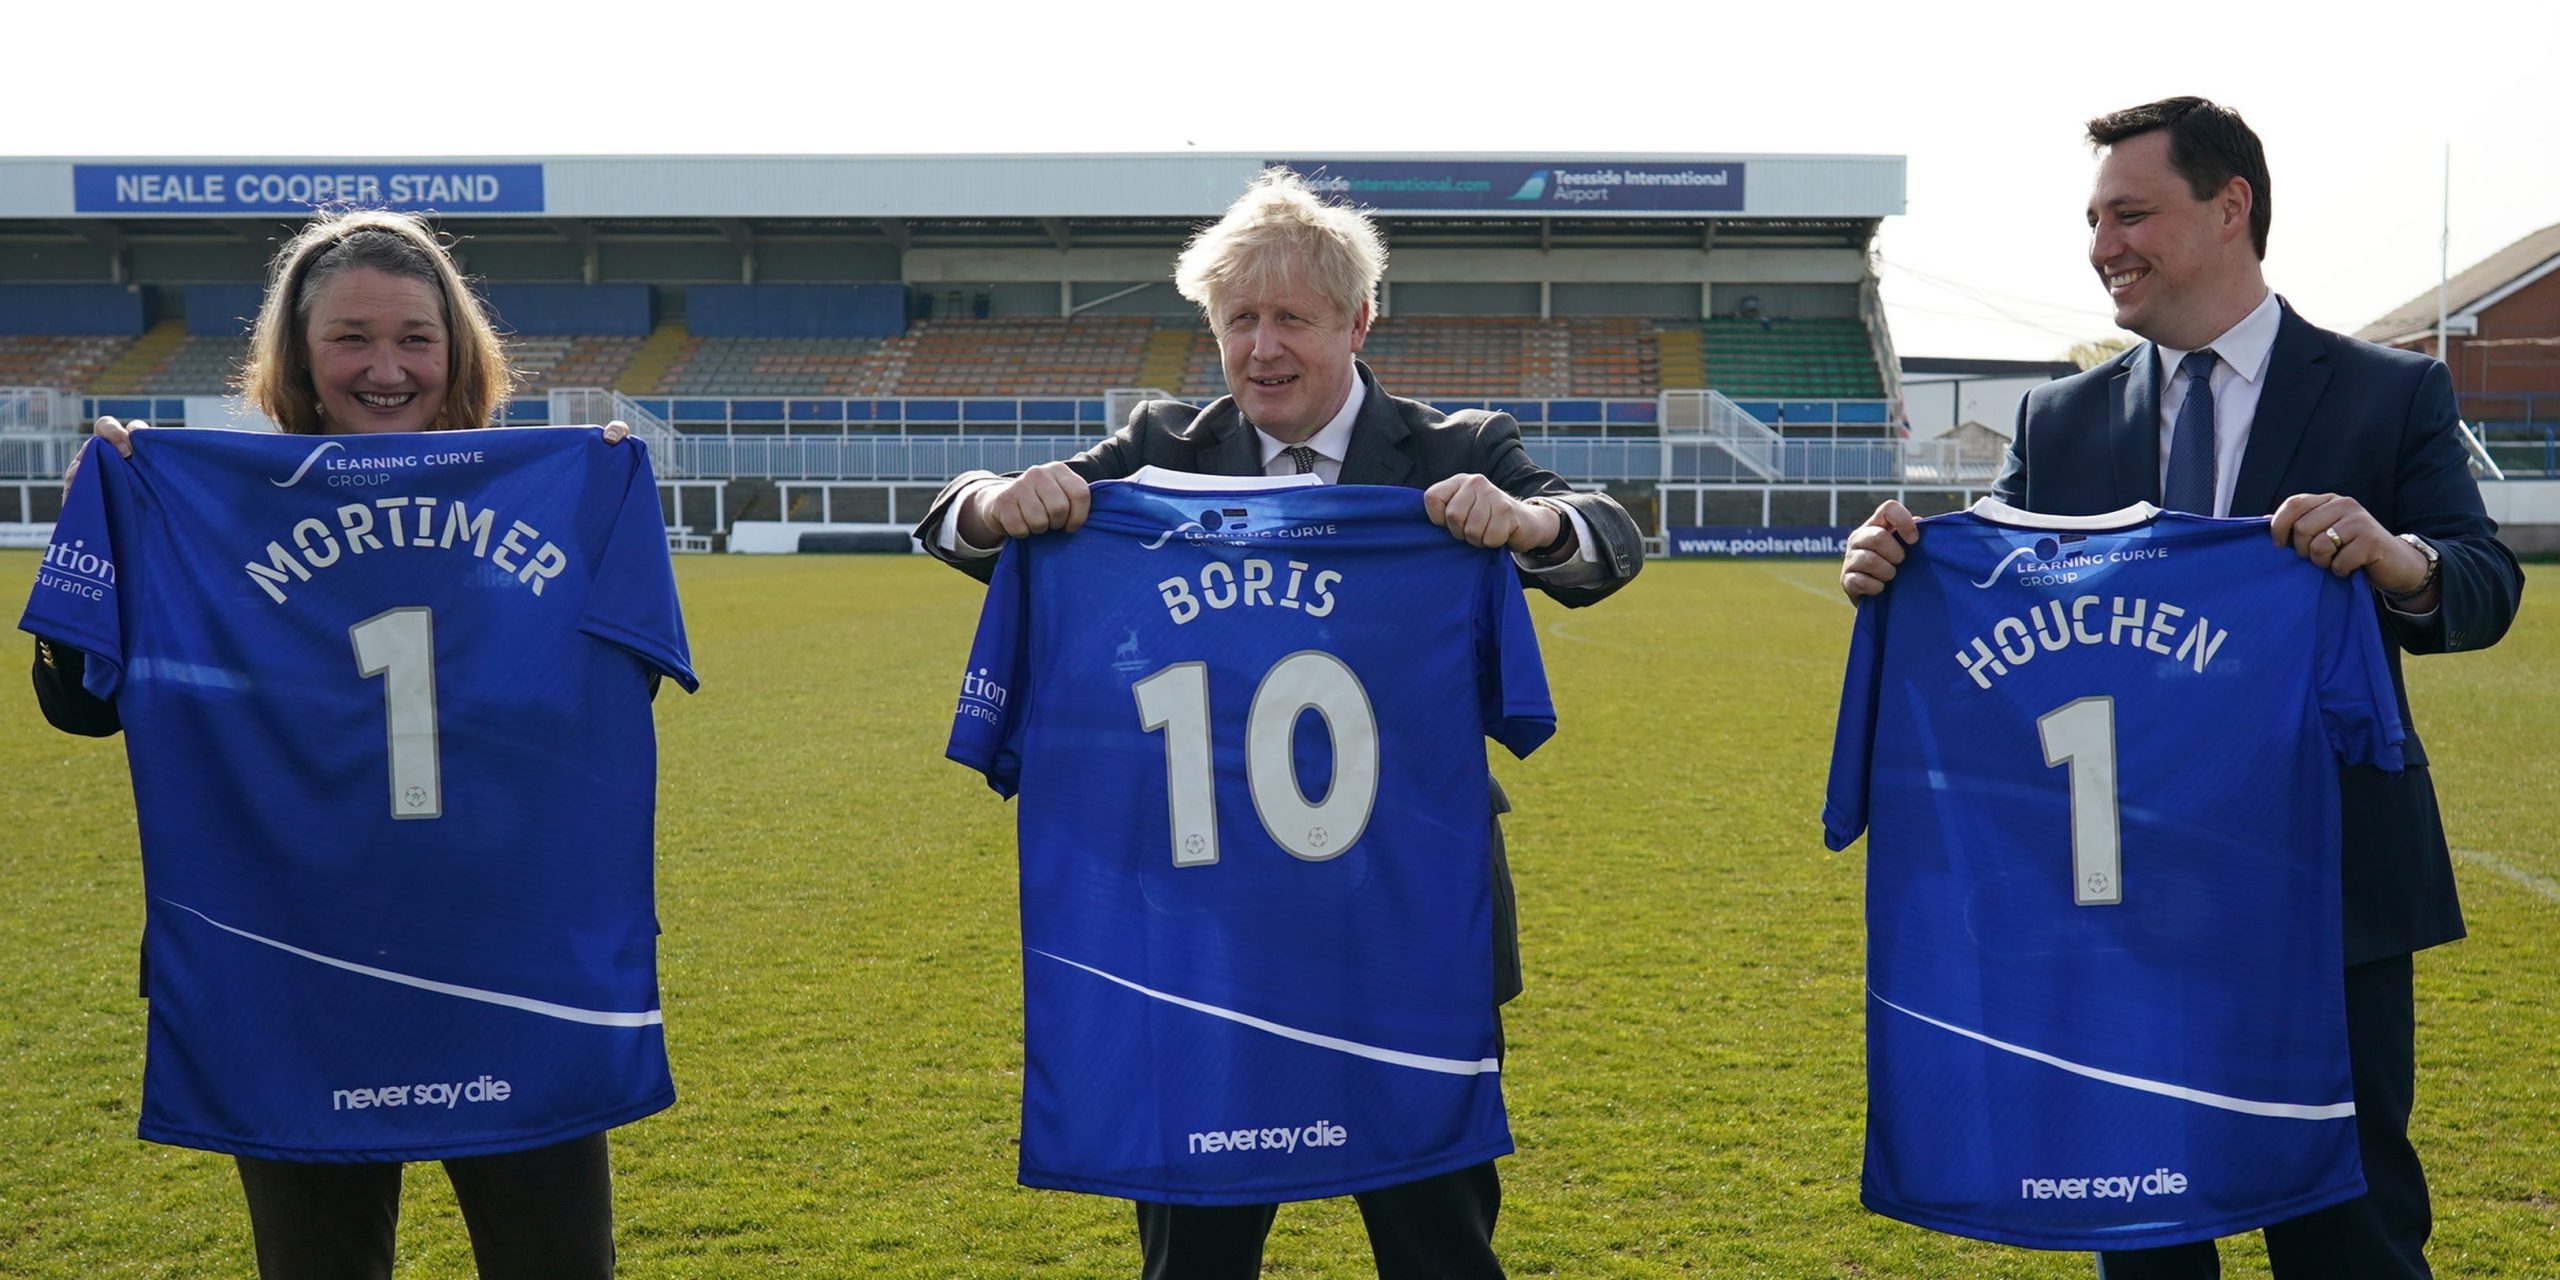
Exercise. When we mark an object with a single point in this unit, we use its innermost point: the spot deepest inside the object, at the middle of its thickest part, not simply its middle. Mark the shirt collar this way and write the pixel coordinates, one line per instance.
(1333, 442)
(2244, 346)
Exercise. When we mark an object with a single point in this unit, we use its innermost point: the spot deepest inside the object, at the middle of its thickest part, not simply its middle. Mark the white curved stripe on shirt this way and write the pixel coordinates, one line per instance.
(1392, 1057)
(2245, 1106)
(566, 1013)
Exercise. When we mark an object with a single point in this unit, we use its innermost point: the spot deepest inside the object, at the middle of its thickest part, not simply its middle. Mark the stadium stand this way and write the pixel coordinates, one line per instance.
(547, 362)
(199, 366)
(51, 360)
(1611, 356)
(982, 326)
(124, 374)
(1791, 359)
(666, 347)
(1021, 356)
(1450, 355)
(773, 366)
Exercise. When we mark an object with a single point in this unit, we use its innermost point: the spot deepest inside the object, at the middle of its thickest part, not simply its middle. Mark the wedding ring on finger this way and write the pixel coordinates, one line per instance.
(2335, 542)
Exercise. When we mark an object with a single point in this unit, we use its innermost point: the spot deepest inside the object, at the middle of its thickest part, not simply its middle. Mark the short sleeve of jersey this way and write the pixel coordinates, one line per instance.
(2357, 705)
(984, 732)
(1844, 806)
(1517, 711)
(633, 602)
(75, 598)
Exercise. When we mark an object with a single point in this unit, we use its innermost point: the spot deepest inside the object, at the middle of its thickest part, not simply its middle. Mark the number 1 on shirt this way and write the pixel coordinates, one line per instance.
(2082, 734)
(400, 646)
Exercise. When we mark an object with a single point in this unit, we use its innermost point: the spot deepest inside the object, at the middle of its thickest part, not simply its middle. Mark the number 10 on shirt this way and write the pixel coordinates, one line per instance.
(1176, 701)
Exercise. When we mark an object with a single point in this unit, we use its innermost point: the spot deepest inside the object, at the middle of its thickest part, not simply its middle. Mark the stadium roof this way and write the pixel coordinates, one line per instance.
(2482, 285)
(1818, 192)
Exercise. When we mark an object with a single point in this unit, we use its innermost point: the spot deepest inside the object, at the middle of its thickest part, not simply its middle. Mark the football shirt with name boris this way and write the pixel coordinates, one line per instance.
(1245, 727)
(2096, 759)
(386, 704)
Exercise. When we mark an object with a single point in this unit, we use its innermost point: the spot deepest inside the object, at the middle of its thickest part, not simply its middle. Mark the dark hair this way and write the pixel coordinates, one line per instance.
(2209, 145)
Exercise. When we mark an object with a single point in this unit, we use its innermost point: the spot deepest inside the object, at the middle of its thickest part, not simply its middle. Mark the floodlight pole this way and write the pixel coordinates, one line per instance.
(2444, 260)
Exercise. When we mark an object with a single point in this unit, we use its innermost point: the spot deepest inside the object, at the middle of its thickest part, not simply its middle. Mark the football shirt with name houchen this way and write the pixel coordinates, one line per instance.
(2096, 759)
(1245, 726)
(386, 703)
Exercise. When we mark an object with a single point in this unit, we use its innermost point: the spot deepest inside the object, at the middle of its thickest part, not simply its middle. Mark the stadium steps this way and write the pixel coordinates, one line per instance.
(1167, 356)
(657, 356)
(125, 374)
(199, 366)
(1682, 358)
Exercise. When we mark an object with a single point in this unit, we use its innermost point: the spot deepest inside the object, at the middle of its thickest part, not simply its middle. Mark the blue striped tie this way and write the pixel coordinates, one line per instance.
(2190, 482)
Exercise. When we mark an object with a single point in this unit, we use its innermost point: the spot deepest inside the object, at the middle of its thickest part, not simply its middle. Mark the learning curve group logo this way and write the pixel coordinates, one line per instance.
(350, 471)
(2059, 559)
(307, 463)
(2043, 559)
(1208, 527)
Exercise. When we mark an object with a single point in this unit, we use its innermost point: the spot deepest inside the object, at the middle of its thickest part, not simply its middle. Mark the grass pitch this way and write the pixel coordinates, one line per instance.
(841, 977)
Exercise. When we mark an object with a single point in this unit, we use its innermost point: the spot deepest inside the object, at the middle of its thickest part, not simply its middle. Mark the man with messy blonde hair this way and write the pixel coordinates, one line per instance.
(1279, 226)
(1288, 285)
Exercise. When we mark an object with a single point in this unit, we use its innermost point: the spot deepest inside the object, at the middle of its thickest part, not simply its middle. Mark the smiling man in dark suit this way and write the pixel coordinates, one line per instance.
(1289, 286)
(2232, 402)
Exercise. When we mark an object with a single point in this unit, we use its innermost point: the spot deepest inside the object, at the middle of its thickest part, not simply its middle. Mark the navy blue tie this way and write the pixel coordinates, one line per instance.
(2189, 485)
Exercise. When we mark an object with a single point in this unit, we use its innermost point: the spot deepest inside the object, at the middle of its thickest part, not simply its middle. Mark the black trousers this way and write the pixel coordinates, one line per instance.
(1436, 1229)
(2380, 1235)
(545, 1214)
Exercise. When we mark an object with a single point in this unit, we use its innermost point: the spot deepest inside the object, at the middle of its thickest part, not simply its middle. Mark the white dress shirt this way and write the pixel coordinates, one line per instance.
(2239, 375)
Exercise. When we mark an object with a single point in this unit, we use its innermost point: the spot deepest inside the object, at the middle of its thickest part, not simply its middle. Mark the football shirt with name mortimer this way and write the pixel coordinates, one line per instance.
(1246, 727)
(385, 700)
(2096, 759)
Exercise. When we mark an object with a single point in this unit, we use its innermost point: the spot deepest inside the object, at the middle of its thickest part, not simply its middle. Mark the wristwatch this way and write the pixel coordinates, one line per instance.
(2435, 569)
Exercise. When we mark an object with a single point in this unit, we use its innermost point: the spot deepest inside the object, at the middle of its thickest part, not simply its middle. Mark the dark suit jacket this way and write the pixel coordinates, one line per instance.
(1394, 442)
(2335, 416)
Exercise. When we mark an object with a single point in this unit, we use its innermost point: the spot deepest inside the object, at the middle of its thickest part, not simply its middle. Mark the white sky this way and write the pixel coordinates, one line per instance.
(2356, 103)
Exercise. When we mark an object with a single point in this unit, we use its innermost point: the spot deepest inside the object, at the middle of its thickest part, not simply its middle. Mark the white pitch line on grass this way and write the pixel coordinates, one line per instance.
(2548, 888)
(1834, 595)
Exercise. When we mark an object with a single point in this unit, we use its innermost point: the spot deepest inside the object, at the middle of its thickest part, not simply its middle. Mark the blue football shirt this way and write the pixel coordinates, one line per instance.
(386, 706)
(1246, 727)
(2096, 759)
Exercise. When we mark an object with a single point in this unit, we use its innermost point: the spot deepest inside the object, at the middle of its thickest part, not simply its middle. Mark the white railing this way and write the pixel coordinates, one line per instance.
(1948, 462)
(1118, 401)
(1691, 417)
(2481, 463)
(38, 456)
(38, 409)
(597, 406)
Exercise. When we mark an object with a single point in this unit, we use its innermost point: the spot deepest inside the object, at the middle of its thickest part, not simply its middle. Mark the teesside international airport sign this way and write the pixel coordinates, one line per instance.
(1529, 187)
(211, 190)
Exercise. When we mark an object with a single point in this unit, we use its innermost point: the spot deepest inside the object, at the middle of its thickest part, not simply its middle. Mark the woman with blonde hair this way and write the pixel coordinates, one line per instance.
(368, 327)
